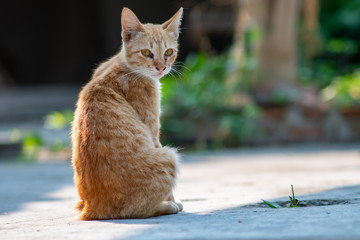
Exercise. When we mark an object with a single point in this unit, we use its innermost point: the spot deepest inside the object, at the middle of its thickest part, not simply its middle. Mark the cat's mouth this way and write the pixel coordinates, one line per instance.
(159, 75)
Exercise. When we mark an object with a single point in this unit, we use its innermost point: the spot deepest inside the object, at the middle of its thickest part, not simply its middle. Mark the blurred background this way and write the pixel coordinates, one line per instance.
(252, 72)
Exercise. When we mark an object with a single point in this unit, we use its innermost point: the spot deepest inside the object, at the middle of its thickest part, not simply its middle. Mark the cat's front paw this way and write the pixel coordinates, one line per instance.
(180, 205)
(174, 200)
(175, 206)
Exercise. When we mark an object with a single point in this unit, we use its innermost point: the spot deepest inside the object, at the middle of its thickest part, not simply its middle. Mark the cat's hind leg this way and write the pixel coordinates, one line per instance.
(149, 195)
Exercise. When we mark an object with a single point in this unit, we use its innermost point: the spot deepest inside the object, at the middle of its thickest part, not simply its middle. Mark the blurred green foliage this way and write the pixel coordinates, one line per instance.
(57, 145)
(59, 120)
(15, 135)
(31, 143)
(340, 55)
(202, 106)
(205, 77)
(344, 91)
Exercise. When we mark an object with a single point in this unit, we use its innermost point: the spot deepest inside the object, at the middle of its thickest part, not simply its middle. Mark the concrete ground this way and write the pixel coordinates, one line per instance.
(221, 193)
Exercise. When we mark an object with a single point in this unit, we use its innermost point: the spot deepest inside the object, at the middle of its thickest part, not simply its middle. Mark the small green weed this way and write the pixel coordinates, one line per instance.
(272, 205)
(293, 201)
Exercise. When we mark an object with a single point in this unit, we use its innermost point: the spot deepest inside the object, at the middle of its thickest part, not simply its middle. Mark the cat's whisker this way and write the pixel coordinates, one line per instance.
(136, 73)
(128, 76)
(181, 64)
(174, 74)
(183, 70)
(131, 72)
(175, 77)
(177, 73)
(176, 70)
(140, 75)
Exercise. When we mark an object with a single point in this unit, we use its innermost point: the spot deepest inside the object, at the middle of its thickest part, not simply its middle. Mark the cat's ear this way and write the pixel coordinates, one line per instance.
(172, 25)
(130, 24)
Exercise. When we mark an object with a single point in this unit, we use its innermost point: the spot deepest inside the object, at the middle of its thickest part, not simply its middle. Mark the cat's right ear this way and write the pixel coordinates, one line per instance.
(130, 25)
(172, 25)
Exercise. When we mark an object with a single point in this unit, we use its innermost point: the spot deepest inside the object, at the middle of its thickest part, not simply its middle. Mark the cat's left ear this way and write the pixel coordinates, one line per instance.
(172, 25)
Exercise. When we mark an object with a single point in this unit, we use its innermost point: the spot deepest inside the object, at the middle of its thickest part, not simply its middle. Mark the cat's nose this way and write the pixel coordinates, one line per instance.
(161, 68)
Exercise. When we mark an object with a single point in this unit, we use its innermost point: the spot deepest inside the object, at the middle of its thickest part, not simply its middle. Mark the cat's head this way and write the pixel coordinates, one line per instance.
(150, 49)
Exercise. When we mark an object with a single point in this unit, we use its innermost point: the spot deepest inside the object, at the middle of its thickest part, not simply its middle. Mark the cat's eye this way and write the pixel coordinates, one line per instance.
(169, 52)
(147, 53)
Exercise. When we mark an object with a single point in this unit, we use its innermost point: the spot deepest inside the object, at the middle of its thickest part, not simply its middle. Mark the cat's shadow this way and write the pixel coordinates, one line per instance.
(152, 221)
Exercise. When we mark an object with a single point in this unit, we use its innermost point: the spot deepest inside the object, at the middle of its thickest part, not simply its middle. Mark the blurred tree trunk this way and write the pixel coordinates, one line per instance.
(242, 18)
(276, 52)
(278, 59)
(310, 34)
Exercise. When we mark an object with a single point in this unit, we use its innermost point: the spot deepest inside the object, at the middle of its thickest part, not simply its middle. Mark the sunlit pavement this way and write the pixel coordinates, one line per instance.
(221, 192)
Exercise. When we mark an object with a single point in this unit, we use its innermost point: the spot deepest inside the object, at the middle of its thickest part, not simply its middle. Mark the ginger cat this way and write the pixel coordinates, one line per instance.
(121, 169)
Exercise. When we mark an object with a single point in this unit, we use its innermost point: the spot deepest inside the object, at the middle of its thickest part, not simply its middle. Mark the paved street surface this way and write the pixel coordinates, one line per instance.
(221, 193)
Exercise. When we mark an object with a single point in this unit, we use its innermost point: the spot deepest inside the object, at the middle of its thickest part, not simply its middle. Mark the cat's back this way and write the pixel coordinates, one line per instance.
(103, 93)
(100, 105)
(103, 110)
(104, 84)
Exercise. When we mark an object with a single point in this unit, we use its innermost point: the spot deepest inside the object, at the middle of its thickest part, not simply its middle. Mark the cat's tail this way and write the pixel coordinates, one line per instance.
(79, 206)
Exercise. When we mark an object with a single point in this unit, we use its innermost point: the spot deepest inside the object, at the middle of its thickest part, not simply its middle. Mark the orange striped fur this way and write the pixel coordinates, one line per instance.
(121, 170)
